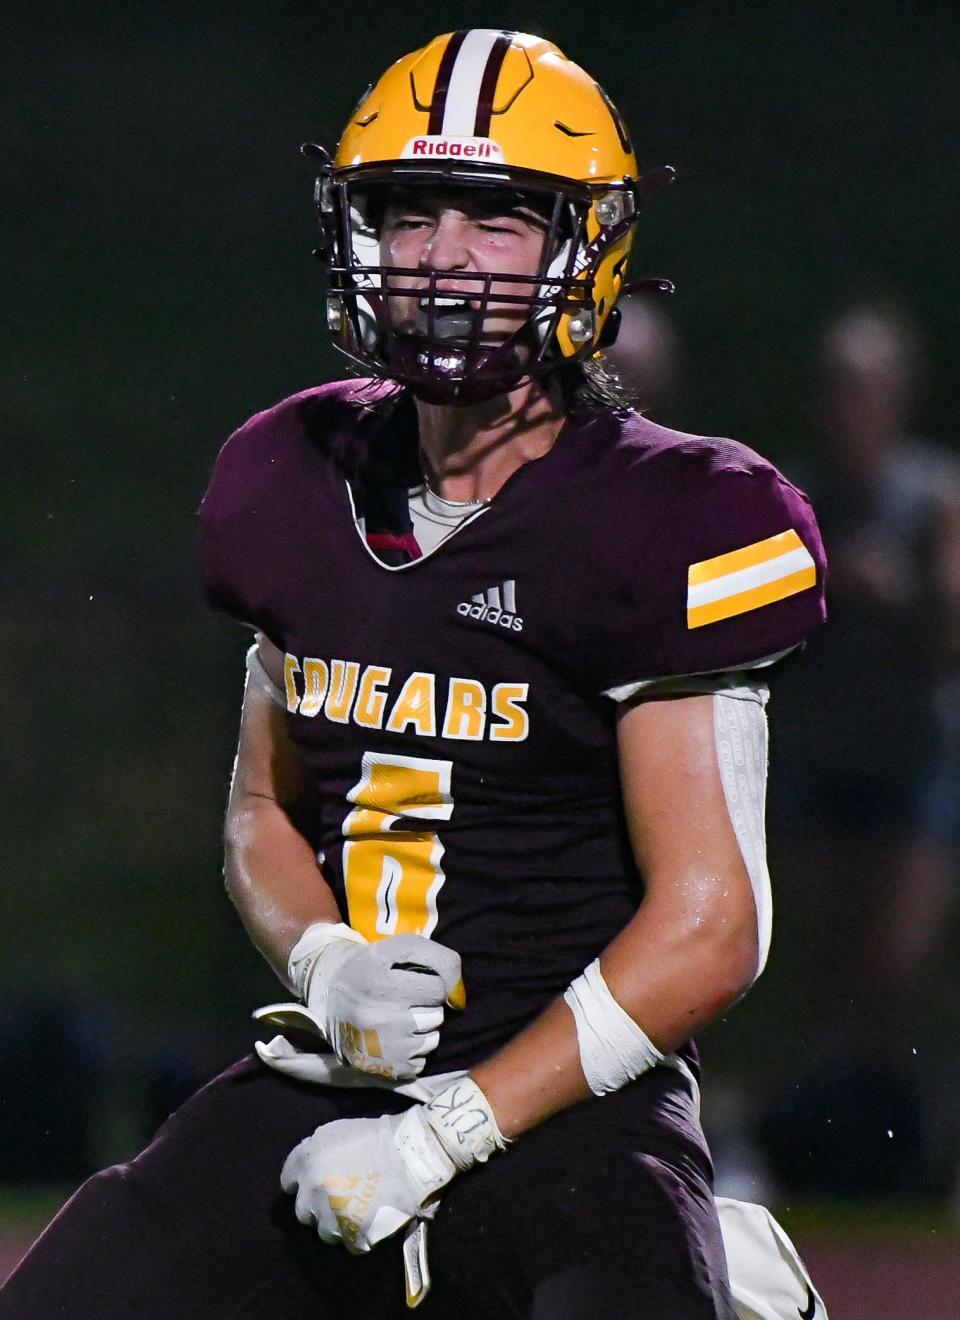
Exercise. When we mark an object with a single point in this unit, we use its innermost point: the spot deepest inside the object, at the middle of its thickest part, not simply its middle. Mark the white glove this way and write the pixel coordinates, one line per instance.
(379, 1006)
(360, 1179)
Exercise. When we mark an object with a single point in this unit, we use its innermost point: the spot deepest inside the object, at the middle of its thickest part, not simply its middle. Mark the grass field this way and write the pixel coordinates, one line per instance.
(23, 1214)
(873, 1262)
(885, 1261)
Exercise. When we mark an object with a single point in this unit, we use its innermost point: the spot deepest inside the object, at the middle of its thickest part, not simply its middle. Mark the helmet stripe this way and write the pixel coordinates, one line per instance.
(466, 80)
(488, 85)
(447, 61)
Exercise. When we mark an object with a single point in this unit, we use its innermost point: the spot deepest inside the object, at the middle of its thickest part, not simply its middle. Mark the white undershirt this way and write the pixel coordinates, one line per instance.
(434, 518)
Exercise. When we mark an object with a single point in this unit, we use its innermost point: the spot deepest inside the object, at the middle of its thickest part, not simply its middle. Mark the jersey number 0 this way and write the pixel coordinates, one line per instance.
(393, 875)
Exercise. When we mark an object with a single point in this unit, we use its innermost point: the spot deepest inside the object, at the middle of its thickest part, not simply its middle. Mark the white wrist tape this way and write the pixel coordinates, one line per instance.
(613, 1049)
(308, 948)
(463, 1122)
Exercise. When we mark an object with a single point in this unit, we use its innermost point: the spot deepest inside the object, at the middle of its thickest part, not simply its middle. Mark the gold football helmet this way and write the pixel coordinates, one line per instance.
(481, 109)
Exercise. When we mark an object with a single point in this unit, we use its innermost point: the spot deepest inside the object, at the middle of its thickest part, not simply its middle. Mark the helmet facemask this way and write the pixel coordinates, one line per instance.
(456, 348)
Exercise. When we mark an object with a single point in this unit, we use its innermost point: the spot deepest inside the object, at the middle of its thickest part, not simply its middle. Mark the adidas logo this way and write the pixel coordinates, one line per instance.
(496, 605)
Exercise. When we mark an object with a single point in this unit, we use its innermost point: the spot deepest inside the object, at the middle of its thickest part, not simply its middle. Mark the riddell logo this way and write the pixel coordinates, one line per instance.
(496, 605)
(473, 148)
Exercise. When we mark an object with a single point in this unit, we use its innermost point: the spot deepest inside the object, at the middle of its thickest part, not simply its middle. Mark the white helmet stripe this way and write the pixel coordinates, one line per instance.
(466, 79)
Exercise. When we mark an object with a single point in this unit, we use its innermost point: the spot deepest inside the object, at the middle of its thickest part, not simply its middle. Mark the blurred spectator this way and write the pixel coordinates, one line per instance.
(645, 357)
(864, 807)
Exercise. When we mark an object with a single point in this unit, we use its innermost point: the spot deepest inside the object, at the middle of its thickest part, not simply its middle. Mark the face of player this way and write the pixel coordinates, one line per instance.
(463, 233)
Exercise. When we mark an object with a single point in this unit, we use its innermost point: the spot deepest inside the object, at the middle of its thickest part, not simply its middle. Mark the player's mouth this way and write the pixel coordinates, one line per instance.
(446, 316)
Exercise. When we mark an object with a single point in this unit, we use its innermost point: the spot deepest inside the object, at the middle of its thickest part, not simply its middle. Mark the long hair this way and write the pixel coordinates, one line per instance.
(596, 383)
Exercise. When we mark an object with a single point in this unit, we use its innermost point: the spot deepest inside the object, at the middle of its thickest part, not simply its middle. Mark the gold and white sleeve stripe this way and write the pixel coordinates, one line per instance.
(745, 579)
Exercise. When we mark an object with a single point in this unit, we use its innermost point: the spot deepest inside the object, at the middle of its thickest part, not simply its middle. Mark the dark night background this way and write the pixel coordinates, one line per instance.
(158, 288)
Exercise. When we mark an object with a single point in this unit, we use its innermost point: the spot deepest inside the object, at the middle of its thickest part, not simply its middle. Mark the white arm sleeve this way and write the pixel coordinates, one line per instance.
(740, 728)
(259, 678)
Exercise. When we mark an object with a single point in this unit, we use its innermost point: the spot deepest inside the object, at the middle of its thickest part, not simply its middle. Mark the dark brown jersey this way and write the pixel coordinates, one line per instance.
(454, 715)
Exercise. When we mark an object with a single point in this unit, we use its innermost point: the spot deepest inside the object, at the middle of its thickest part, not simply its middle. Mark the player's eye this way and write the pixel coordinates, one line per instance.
(497, 227)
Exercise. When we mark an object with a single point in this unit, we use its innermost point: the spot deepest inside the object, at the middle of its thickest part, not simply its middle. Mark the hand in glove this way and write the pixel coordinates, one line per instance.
(379, 1006)
(360, 1179)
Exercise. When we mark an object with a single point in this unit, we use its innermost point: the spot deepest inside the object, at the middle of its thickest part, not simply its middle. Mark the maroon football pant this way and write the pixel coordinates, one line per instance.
(604, 1212)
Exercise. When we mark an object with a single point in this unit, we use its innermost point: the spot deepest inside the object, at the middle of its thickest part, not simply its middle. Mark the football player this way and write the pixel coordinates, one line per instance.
(496, 819)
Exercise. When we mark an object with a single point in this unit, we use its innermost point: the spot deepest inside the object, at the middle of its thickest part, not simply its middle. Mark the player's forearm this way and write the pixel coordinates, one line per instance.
(671, 980)
(675, 976)
(272, 876)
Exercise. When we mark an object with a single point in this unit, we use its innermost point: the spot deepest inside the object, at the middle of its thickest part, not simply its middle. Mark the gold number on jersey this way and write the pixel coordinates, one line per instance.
(393, 872)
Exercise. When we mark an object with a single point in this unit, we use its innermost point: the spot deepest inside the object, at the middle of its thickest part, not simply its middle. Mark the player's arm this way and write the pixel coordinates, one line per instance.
(270, 869)
(379, 1006)
(691, 949)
